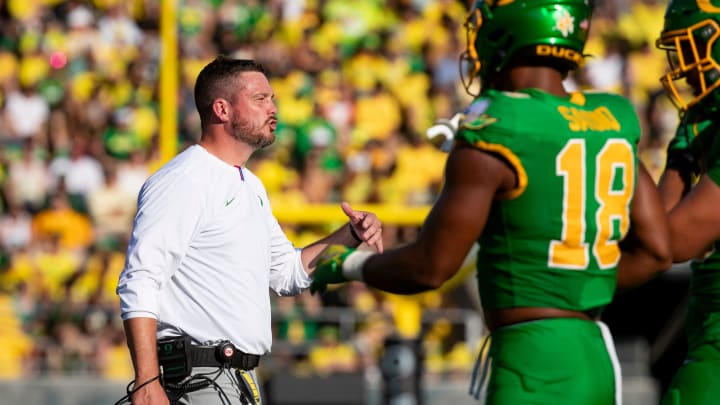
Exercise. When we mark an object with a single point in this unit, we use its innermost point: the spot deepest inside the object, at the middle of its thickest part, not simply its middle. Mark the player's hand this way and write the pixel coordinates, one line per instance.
(329, 268)
(366, 225)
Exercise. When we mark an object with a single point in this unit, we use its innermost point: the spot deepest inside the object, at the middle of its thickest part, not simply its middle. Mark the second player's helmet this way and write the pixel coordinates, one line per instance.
(536, 32)
(690, 37)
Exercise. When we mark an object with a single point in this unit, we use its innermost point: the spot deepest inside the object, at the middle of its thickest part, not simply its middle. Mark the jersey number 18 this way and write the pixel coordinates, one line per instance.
(615, 158)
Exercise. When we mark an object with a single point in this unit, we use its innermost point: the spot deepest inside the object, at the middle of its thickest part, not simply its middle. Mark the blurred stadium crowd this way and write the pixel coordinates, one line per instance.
(357, 83)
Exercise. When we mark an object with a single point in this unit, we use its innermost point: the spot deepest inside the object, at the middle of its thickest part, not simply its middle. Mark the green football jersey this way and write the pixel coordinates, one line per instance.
(553, 240)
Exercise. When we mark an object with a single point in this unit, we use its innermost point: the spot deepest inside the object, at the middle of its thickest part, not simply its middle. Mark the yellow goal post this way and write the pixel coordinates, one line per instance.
(332, 213)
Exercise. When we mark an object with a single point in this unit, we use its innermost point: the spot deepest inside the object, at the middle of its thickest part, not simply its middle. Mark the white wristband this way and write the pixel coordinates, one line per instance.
(353, 264)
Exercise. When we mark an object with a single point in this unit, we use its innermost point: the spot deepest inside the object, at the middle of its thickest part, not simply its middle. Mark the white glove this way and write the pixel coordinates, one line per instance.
(442, 133)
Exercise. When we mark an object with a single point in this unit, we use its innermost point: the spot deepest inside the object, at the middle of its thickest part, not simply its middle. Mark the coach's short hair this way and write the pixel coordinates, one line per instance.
(216, 80)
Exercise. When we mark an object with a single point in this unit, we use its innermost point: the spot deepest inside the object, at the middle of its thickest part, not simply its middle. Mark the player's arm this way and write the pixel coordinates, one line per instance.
(677, 178)
(673, 185)
(646, 249)
(472, 179)
(695, 221)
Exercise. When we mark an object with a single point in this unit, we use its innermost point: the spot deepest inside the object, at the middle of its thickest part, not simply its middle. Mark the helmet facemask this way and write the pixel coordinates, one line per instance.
(690, 55)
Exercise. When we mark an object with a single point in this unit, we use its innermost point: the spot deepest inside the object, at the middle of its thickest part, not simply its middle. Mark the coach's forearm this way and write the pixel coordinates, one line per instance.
(142, 341)
(311, 252)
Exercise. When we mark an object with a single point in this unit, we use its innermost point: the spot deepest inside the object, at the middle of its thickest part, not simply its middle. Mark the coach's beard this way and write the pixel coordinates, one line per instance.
(255, 136)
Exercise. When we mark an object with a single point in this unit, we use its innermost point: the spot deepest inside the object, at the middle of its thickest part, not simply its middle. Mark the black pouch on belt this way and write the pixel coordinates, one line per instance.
(174, 358)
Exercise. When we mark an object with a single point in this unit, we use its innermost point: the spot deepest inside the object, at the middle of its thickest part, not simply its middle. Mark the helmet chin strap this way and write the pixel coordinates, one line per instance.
(468, 76)
(470, 55)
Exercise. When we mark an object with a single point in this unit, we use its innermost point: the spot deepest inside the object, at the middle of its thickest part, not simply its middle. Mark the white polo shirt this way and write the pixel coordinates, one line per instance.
(204, 251)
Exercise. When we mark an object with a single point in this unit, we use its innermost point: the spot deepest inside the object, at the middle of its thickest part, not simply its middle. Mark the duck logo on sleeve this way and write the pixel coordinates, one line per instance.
(475, 116)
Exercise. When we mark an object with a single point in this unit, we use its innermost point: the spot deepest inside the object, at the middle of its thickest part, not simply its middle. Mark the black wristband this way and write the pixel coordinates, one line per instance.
(354, 235)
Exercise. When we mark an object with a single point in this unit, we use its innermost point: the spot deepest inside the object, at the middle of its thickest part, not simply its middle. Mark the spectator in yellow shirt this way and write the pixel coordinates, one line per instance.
(73, 228)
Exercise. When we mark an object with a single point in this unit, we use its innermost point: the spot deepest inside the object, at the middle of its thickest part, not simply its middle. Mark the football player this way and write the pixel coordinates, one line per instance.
(549, 185)
(690, 191)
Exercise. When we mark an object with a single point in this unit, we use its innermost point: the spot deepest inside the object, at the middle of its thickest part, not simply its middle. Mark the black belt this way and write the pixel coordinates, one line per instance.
(224, 354)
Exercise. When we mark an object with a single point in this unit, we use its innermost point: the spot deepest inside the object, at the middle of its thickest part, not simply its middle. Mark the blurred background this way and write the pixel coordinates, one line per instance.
(96, 94)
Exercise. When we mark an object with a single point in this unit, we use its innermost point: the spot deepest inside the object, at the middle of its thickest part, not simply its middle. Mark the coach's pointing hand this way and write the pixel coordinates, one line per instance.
(364, 226)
